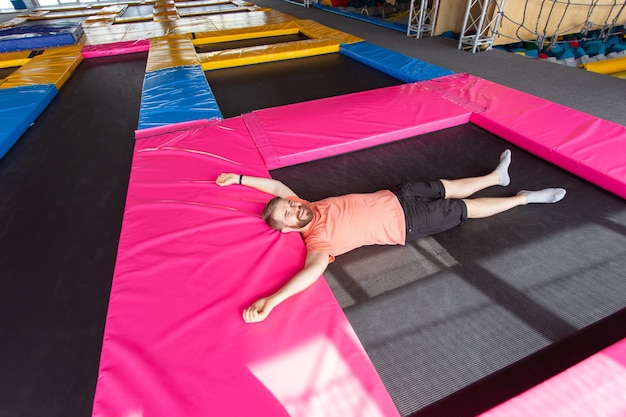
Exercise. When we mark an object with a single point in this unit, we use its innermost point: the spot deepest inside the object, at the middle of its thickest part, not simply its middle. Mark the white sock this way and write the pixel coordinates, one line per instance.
(547, 195)
(503, 168)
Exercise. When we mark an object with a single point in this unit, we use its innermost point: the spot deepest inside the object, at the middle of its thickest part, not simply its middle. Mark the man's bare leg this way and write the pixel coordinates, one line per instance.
(488, 206)
(478, 208)
(465, 187)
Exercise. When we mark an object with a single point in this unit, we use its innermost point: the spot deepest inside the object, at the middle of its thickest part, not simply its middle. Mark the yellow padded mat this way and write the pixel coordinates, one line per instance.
(266, 53)
(164, 11)
(229, 35)
(171, 51)
(308, 28)
(54, 66)
(14, 59)
(316, 31)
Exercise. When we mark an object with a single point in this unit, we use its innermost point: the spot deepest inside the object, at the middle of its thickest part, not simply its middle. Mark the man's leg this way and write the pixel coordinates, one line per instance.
(488, 206)
(465, 187)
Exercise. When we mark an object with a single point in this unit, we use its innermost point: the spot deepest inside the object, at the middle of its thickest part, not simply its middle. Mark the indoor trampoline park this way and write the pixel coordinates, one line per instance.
(126, 267)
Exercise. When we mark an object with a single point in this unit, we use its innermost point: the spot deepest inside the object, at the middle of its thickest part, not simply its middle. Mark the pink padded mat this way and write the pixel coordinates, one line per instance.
(192, 256)
(582, 144)
(303, 132)
(117, 48)
(594, 387)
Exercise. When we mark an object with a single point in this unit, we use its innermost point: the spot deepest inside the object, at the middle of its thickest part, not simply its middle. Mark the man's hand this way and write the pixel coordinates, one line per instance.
(314, 266)
(258, 311)
(227, 179)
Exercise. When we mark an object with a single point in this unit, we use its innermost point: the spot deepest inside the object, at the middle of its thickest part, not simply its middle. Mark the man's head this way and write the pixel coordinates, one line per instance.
(286, 215)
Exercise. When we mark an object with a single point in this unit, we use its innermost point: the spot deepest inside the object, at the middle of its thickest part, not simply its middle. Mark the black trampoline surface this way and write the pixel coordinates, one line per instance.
(444, 313)
(246, 43)
(62, 193)
(245, 89)
(5, 72)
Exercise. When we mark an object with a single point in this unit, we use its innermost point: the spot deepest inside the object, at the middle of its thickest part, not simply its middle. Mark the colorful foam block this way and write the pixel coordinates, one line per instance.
(619, 47)
(594, 48)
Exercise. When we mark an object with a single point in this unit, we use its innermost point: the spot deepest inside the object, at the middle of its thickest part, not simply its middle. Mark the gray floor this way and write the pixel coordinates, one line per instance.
(600, 95)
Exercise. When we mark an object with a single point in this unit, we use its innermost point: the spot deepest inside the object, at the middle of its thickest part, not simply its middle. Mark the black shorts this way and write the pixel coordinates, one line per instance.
(426, 211)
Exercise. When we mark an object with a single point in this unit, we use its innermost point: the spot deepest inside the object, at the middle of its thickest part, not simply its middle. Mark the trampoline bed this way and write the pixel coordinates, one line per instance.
(244, 89)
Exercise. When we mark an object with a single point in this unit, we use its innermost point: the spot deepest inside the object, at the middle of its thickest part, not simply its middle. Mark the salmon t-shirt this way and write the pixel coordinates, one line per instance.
(347, 222)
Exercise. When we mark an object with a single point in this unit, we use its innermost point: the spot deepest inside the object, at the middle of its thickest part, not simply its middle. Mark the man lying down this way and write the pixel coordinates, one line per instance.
(406, 212)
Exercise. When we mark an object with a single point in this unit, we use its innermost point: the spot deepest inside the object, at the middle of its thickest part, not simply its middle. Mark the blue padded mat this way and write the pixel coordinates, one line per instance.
(24, 37)
(399, 66)
(19, 107)
(176, 95)
(369, 19)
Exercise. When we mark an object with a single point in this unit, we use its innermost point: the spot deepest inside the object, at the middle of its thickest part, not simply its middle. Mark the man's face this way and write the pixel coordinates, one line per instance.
(293, 214)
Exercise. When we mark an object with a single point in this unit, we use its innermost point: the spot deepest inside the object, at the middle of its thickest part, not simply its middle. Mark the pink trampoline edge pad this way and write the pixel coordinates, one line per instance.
(356, 145)
(307, 131)
(593, 387)
(117, 48)
(582, 144)
(174, 127)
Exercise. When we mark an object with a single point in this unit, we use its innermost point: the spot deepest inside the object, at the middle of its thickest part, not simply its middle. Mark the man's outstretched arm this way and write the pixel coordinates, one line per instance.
(267, 185)
(314, 267)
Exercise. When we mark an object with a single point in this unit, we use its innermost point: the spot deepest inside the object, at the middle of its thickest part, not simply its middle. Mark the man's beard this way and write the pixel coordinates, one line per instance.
(305, 215)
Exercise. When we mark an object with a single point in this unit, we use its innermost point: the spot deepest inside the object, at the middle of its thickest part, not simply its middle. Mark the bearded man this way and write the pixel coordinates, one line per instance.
(336, 225)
